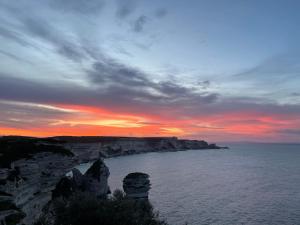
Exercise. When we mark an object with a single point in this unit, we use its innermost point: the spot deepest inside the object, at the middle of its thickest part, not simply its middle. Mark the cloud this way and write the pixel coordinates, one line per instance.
(46, 32)
(295, 94)
(114, 81)
(30, 27)
(124, 80)
(275, 70)
(125, 8)
(204, 84)
(78, 6)
(20, 114)
(112, 85)
(132, 93)
(15, 57)
(290, 131)
(160, 13)
(13, 36)
(139, 23)
(120, 88)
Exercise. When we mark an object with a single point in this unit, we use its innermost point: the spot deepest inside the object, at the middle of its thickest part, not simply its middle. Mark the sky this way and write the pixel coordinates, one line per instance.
(218, 70)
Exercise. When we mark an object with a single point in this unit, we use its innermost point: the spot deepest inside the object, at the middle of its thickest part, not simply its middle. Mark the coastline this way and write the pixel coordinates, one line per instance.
(31, 167)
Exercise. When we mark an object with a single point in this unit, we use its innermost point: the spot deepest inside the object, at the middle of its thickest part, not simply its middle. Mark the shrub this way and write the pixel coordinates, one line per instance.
(117, 210)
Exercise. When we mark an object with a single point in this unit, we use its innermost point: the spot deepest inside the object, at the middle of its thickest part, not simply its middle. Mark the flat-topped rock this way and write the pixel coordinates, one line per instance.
(137, 185)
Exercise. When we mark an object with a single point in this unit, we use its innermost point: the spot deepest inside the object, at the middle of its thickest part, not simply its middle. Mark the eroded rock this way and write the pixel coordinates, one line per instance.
(137, 185)
(93, 182)
(95, 179)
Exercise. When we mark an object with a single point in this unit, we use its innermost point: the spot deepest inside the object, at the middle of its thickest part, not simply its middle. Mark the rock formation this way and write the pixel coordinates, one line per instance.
(95, 179)
(26, 185)
(93, 182)
(136, 185)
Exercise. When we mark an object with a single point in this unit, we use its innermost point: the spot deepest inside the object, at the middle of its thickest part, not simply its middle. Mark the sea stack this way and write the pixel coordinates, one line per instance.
(96, 179)
(137, 185)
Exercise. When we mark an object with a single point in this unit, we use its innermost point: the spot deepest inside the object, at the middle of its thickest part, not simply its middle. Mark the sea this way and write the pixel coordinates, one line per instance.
(246, 184)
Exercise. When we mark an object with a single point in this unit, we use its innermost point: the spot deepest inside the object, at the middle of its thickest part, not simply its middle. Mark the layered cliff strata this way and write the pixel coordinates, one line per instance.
(117, 146)
(26, 184)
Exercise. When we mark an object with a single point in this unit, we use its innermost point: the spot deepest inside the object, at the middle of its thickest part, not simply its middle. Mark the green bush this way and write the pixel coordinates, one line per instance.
(117, 210)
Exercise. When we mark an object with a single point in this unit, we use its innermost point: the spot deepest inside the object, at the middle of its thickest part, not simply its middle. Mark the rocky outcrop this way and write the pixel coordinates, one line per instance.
(137, 185)
(26, 185)
(94, 181)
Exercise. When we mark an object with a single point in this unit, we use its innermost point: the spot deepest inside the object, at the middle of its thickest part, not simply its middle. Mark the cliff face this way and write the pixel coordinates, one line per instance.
(26, 185)
(117, 146)
(27, 177)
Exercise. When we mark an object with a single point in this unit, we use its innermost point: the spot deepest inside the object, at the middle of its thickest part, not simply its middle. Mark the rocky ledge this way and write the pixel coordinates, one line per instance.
(31, 168)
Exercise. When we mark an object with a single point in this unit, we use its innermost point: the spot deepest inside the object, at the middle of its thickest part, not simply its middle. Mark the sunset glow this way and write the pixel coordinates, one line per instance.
(194, 73)
(80, 120)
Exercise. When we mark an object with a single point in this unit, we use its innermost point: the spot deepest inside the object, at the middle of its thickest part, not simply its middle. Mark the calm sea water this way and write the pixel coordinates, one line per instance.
(248, 184)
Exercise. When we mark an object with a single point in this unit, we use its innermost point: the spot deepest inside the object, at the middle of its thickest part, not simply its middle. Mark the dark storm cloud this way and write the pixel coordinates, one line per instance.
(125, 8)
(79, 6)
(139, 23)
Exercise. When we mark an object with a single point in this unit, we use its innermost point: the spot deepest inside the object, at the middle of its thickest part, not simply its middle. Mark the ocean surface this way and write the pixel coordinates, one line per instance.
(247, 184)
